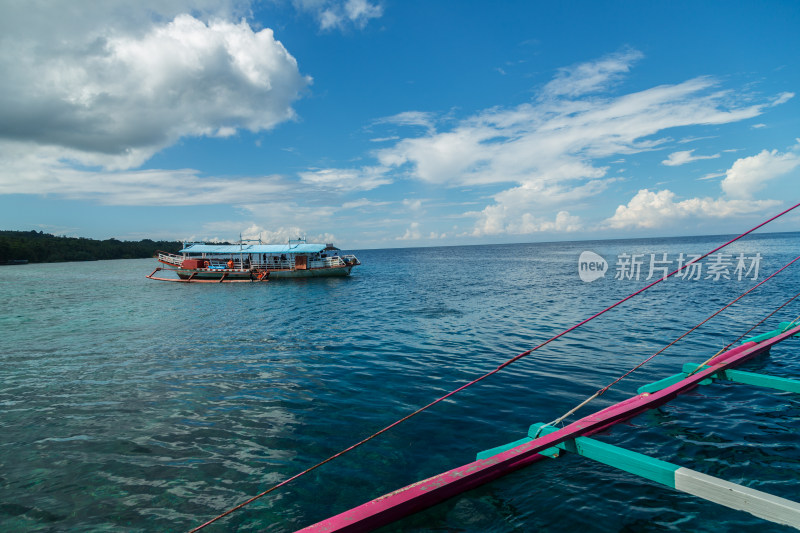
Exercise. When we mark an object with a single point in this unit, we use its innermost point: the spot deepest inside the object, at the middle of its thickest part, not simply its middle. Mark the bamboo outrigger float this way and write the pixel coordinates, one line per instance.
(546, 441)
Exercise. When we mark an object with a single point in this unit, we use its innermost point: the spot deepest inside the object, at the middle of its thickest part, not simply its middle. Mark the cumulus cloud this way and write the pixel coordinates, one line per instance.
(748, 175)
(514, 209)
(681, 158)
(548, 150)
(337, 14)
(497, 219)
(412, 233)
(654, 209)
(112, 96)
(282, 235)
(92, 90)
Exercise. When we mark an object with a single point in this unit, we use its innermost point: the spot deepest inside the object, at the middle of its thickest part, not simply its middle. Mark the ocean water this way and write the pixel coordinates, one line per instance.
(133, 405)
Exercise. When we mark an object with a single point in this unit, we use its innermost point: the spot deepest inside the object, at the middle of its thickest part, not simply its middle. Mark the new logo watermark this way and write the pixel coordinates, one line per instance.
(629, 266)
(591, 266)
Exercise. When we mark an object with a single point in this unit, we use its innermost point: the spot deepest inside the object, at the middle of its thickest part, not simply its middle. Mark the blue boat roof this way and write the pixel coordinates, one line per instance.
(227, 249)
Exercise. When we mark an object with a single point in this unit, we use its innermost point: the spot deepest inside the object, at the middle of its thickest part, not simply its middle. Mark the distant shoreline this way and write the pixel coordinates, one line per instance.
(22, 247)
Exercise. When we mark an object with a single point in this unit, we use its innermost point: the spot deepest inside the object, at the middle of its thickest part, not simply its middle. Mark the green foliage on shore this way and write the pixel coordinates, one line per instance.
(38, 247)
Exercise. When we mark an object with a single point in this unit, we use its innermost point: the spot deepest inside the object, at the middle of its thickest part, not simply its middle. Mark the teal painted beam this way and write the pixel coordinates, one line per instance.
(485, 454)
(631, 462)
(661, 384)
(668, 382)
(763, 336)
(752, 378)
(688, 369)
(783, 326)
(731, 495)
(550, 452)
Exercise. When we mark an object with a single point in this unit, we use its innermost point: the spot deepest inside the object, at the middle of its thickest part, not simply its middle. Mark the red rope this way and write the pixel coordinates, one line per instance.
(605, 389)
(787, 302)
(745, 293)
(481, 378)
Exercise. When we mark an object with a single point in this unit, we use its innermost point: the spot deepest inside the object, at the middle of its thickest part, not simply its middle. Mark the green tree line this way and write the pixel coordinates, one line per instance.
(39, 247)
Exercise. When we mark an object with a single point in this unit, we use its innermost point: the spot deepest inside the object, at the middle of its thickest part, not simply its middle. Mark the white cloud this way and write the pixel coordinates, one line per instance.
(711, 176)
(410, 118)
(363, 179)
(363, 202)
(278, 213)
(282, 235)
(113, 95)
(279, 235)
(694, 139)
(651, 209)
(496, 219)
(557, 139)
(278, 221)
(521, 209)
(548, 150)
(783, 98)
(412, 233)
(414, 205)
(749, 174)
(681, 158)
(38, 170)
(337, 14)
(591, 76)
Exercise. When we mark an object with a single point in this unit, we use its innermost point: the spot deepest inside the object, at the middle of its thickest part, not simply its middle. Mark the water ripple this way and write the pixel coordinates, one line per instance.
(140, 406)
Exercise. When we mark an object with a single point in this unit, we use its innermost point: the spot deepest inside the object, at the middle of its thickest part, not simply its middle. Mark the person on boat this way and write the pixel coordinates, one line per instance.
(230, 263)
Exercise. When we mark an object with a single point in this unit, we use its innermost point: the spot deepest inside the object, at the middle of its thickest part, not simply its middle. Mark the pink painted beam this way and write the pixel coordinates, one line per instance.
(429, 492)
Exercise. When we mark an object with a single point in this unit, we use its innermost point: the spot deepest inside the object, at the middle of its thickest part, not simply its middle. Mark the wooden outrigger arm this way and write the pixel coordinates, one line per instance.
(191, 279)
(506, 459)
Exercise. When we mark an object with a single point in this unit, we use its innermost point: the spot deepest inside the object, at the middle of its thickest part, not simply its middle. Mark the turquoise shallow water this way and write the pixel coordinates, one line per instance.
(134, 405)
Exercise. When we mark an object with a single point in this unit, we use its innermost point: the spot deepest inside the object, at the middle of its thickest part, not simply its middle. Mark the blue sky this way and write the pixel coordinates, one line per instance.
(380, 124)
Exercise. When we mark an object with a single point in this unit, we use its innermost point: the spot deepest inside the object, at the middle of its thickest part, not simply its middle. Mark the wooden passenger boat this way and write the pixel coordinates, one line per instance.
(545, 441)
(246, 262)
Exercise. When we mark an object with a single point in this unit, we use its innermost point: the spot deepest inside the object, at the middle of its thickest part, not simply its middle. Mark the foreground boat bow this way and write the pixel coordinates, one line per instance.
(423, 494)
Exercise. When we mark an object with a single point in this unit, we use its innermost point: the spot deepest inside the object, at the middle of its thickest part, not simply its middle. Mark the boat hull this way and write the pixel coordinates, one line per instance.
(213, 274)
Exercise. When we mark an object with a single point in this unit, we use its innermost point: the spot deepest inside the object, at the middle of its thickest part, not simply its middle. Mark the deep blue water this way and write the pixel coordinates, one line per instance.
(133, 405)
